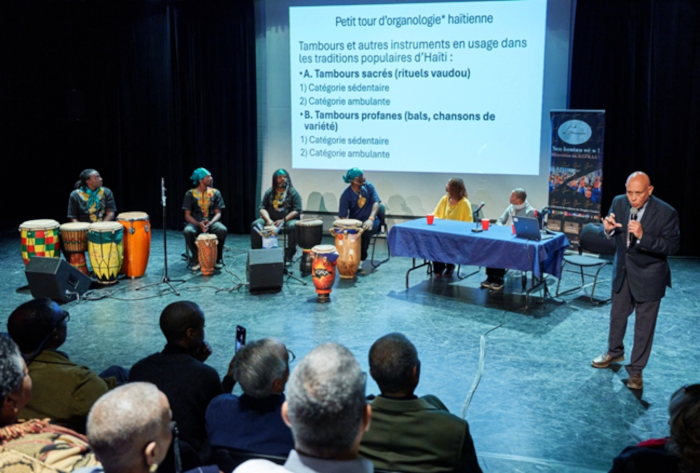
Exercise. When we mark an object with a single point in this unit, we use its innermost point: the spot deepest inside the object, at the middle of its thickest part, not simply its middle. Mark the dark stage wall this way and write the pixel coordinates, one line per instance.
(147, 89)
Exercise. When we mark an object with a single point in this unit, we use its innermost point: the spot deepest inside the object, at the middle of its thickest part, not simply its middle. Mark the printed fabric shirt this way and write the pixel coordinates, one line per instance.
(89, 206)
(203, 204)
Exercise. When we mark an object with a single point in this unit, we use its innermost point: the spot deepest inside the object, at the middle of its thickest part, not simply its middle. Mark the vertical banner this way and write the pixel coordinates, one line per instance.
(576, 170)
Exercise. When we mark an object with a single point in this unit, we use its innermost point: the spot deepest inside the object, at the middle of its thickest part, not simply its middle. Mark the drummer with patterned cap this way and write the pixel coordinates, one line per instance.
(360, 201)
(202, 206)
(90, 201)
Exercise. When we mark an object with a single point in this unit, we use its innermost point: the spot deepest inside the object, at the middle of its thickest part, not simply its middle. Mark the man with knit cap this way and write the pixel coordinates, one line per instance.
(360, 201)
(202, 206)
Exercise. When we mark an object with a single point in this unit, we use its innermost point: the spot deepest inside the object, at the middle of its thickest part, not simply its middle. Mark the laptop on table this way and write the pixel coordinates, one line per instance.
(529, 229)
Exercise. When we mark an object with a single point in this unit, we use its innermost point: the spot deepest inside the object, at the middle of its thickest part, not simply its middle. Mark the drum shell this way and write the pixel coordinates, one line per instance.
(74, 237)
(309, 233)
(207, 251)
(137, 243)
(39, 238)
(323, 269)
(106, 250)
(348, 245)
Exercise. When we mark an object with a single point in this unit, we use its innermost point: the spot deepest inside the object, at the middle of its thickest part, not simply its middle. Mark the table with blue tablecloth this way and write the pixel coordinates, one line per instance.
(452, 241)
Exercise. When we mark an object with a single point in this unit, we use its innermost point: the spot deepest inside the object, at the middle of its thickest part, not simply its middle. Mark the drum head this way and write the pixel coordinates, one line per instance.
(105, 227)
(323, 249)
(43, 224)
(347, 223)
(131, 216)
(309, 222)
(206, 236)
(75, 227)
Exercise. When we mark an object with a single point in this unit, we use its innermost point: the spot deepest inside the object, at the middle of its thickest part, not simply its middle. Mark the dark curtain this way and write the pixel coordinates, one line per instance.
(639, 60)
(139, 90)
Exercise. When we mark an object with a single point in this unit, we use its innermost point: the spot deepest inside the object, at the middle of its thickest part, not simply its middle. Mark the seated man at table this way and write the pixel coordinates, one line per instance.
(519, 207)
(360, 201)
(454, 205)
(281, 207)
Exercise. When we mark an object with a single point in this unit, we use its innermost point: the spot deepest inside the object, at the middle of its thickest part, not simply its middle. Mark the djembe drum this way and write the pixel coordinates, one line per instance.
(39, 238)
(323, 270)
(106, 250)
(137, 242)
(75, 244)
(309, 234)
(206, 248)
(347, 232)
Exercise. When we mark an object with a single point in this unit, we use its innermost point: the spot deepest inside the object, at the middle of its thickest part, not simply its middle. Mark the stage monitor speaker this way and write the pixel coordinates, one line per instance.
(55, 278)
(265, 269)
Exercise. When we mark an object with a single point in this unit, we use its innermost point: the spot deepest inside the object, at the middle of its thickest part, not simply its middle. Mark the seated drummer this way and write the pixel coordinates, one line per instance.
(202, 206)
(454, 205)
(280, 202)
(90, 201)
(520, 207)
(360, 202)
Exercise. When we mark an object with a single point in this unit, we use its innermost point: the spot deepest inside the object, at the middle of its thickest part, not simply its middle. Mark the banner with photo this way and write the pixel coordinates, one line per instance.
(576, 170)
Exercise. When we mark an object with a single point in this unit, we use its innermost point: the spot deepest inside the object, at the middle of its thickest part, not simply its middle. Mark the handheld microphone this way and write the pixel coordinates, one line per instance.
(633, 216)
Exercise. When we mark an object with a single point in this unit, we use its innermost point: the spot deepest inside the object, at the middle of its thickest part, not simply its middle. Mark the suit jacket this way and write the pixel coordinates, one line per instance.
(418, 435)
(645, 261)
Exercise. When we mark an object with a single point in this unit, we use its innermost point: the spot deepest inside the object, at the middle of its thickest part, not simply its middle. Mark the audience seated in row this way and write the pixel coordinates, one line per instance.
(252, 421)
(34, 445)
(179, 371)
(63, 391)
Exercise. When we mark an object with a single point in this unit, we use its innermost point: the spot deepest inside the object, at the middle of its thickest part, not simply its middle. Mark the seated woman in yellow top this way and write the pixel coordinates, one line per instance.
(453, 206)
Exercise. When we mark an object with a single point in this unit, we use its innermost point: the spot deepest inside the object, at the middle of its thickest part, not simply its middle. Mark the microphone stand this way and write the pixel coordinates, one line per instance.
(165, 279)
(286, 271)
(477, 220)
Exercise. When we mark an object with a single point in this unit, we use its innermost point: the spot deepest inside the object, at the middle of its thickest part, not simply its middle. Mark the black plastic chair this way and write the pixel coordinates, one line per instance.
(383, 230)
(600, 251)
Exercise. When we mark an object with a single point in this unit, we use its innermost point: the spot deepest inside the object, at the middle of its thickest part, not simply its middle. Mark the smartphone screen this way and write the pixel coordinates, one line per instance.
(240, 337)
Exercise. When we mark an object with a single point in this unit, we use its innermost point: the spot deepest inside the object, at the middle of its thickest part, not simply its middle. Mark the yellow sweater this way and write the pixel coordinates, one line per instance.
(462, 211)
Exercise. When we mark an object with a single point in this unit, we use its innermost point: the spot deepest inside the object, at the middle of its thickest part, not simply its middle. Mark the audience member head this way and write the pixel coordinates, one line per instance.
(129, 428)
(182, 323)
(15, 383)
(89, 179)
(518, 196)
(456, 189)
(262, 367)
(326, 406)
(684, 421)
(37, 325)
(394, 365)
(281, 178)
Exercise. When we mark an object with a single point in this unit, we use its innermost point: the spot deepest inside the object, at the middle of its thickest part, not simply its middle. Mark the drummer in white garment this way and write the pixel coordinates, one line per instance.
(360, 201)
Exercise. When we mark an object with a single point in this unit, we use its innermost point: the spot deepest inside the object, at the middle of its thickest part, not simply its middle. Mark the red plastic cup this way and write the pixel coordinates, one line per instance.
(513, 227)
(430, 218)
(485, 223)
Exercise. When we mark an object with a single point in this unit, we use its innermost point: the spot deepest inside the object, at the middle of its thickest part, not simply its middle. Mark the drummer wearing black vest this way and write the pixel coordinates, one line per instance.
(360, 201)
(281, 207)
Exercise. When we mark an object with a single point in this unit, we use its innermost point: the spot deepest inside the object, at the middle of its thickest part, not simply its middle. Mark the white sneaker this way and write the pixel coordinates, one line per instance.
(196, 267)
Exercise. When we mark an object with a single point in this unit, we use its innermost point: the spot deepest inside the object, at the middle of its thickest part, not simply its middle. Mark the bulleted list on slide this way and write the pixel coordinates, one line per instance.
(443, 87)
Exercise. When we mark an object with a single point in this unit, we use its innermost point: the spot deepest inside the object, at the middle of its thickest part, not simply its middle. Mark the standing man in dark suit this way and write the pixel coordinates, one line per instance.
(645, 230)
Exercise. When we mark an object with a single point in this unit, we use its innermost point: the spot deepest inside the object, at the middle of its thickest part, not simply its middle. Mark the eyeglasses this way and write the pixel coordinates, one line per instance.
(292, 356)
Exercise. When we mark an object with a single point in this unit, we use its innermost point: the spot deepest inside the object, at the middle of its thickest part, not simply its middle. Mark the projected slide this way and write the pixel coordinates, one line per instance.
(442, 87)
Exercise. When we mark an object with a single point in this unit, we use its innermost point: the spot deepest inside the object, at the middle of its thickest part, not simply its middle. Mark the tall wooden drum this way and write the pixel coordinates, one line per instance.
(347, 234)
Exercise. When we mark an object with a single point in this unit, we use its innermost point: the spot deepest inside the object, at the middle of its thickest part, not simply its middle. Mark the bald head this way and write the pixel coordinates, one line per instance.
(639, 189)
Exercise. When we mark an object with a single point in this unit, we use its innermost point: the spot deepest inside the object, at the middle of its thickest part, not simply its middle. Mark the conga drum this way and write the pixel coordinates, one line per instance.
(206, 247)
(39, 238)
(323, 270)
(347, 232)
(309, 234)
(137, 242)
(75, 244)
(106, 250)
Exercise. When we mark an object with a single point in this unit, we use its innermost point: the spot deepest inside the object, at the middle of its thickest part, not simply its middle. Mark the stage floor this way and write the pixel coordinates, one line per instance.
(539, 405)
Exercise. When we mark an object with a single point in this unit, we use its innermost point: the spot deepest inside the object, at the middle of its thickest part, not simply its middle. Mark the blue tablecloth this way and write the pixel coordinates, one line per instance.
(452, 241)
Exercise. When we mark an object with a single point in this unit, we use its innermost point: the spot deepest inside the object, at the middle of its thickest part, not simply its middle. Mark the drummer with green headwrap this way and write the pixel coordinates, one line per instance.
(202, 206)
(91, 201)
(360, 201)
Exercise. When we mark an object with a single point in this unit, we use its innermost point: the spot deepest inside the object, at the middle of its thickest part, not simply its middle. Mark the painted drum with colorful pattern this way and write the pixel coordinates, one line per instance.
(40, 238)
(207, 248)
(74, 239)
(106, 250)
(137, 242)
(323, 270)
